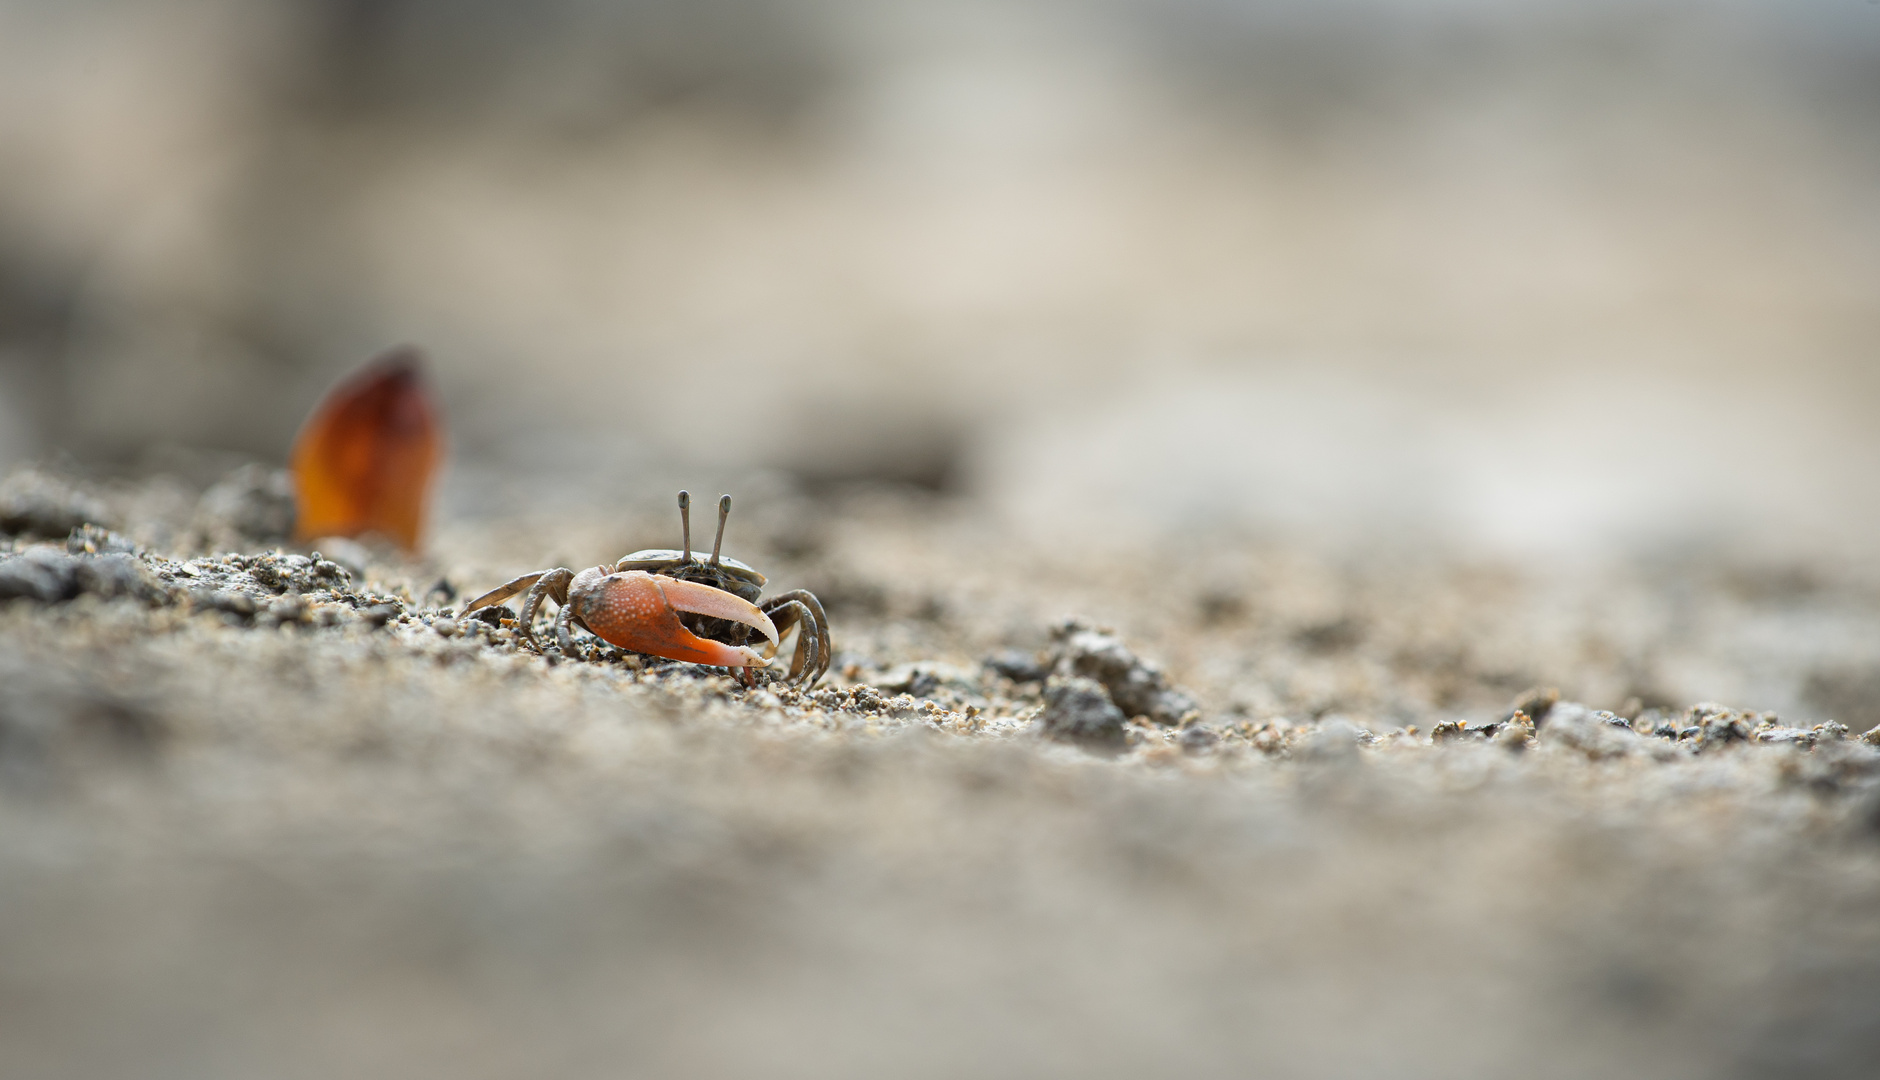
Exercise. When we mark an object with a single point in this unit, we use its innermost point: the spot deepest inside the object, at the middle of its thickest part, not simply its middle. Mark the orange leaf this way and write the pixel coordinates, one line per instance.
(364, 460)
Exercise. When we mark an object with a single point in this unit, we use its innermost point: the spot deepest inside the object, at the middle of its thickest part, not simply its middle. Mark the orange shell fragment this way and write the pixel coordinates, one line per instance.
(365, 459)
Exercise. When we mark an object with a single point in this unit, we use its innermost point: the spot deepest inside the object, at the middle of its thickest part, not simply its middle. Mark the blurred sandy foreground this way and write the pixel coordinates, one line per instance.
(261, 814)
(1363, 364)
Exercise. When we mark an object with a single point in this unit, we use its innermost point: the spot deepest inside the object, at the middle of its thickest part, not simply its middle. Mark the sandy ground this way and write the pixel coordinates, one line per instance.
(263, 814)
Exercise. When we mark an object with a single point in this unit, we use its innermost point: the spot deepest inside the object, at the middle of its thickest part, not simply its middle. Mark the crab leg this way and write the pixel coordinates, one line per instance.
(553, 585)
(640, 611)
(563, 638)
(800, 609)
(795, 615)
(503, 592)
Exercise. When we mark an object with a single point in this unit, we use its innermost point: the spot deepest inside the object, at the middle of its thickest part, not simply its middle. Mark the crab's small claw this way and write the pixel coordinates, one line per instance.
(640, 611)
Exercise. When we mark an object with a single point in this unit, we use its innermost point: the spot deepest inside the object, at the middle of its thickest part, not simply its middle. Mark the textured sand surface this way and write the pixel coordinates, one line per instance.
(272, 816)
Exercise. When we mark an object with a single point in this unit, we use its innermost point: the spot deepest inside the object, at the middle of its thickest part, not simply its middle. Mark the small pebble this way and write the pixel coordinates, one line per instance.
(1198, 740)
(1079, 710)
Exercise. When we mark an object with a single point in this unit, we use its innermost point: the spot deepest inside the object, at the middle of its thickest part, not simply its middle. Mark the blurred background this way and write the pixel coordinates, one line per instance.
(1587, 286)
(1530, 276)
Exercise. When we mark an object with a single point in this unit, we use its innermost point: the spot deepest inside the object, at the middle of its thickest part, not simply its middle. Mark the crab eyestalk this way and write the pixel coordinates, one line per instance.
(724, 511)
(685, 523)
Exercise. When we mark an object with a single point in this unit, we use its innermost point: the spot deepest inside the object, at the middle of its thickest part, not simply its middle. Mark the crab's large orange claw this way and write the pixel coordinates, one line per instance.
(640, 611)
(364, 461)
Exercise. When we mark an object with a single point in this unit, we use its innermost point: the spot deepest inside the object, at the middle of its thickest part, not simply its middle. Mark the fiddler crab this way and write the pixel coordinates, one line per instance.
(670, 604)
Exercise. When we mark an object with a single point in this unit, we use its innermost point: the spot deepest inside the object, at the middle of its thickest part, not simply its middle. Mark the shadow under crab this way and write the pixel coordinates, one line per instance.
(668, 603)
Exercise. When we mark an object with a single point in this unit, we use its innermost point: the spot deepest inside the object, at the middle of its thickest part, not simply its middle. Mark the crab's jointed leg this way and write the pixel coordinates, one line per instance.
(503, 592)
(795, 614)
(801, 609)
(552, 583)
(565, 620)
